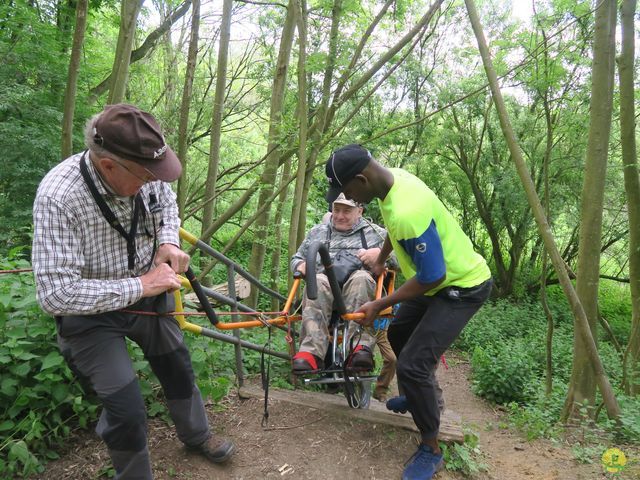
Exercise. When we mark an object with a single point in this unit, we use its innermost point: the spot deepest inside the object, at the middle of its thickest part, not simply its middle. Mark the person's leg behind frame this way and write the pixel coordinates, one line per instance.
(388, 370)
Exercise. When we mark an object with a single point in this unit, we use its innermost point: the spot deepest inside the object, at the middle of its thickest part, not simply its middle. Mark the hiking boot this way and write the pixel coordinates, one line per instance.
(306, 362)
(423, 464)
(215, 449)
(398, 404)
(361, 359)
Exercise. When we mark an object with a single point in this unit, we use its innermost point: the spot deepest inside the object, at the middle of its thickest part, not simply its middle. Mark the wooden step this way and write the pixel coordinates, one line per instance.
(450, 422)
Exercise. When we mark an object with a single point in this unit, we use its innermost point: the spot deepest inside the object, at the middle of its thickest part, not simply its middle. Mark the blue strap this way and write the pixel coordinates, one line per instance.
(380, 324)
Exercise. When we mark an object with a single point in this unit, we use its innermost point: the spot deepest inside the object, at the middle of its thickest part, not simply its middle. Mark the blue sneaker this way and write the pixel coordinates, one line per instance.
(398, 404)
(423, 464)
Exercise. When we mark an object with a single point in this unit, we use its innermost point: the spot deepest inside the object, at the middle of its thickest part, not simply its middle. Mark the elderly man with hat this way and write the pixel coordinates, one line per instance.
(354, 243)
(447, 282)
(106, 256)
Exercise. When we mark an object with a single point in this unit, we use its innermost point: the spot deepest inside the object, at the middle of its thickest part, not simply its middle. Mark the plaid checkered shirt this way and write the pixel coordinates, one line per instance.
(79, 261)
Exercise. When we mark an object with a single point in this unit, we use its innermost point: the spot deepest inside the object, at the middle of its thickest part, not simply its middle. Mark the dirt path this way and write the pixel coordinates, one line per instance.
(305, 443)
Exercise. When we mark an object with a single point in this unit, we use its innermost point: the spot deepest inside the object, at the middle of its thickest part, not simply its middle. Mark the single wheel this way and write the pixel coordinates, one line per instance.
(358, 392)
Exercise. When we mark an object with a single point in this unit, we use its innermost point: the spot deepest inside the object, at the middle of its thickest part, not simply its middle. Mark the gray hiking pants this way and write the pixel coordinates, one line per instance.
(94, 346)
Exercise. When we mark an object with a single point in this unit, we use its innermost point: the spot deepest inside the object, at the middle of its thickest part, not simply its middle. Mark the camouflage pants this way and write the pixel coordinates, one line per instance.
(314, 333)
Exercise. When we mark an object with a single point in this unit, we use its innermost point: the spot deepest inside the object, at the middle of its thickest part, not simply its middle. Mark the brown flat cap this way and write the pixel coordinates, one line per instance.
(134, 135)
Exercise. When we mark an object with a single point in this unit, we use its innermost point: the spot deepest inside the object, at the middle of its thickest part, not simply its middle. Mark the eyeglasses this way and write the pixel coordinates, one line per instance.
(150, 177)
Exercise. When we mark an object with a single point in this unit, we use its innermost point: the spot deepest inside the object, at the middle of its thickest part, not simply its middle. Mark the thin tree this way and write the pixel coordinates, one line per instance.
(582, 323)
(129, 10)
(582, 385)
(216, 121)
(320, 122)
(258, 248)
(72, 78)
(340, 97)
(185, 106)
(631, 363)
(302, 112)
(144, 49)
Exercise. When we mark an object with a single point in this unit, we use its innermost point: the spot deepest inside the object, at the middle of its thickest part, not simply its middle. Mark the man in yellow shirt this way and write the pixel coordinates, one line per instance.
(447, 282)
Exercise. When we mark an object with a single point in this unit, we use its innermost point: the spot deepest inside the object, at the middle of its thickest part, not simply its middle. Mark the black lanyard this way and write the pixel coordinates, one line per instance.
(110, 217)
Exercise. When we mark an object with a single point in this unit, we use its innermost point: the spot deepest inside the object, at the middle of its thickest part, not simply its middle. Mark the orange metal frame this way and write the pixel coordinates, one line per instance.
(285, 316)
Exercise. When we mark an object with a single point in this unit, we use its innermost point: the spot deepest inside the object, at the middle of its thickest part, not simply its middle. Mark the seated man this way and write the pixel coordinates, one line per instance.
(351, 235)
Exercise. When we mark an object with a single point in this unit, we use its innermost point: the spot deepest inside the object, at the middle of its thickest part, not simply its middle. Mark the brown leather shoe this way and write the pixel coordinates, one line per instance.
(215, 449)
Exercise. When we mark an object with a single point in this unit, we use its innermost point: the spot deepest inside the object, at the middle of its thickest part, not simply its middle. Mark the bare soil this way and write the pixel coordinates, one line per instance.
(307, 443)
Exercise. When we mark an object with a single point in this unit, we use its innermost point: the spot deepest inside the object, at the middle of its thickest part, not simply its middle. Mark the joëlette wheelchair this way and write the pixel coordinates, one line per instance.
(355, 385)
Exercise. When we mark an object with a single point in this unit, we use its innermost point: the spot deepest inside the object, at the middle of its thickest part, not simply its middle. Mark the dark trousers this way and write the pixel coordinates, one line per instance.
(95, 348)
(422, 330)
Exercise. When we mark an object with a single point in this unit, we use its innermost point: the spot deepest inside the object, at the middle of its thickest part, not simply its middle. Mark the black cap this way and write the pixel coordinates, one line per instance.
(343, 165)
(135, 135)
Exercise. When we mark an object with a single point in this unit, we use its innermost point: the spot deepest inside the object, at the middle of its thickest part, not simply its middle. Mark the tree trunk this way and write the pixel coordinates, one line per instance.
(120, 73)
(216, 120)
(72, 79)
(185, 106)
(271, 166)
(632, 188)
(277, 234)
(582, 323)
(582, 386)
(169, 68)
(303, 112)
(320, 122)
(140, 52)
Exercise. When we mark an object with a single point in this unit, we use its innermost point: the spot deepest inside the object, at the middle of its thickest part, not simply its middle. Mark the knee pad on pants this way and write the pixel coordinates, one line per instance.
(175, 373)
(126, 419)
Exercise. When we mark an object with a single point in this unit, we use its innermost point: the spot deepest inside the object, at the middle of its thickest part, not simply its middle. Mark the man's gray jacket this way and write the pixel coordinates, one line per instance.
(351, 241)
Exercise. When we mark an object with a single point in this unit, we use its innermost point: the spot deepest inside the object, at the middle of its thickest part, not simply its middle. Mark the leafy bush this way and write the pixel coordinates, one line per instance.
(466, 457)
(39, 400)
(540, 417)
(629, 427)
(614, 301)
(498, 322)
(507, 341)
(504, 373)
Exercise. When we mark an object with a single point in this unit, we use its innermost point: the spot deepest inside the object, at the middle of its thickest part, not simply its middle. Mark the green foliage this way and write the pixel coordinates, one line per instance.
(629, 427)
(540, 417)
(39, 400)
(31, 85)
(465, 458)
(614, 301)
(507, 344)
(504, 374)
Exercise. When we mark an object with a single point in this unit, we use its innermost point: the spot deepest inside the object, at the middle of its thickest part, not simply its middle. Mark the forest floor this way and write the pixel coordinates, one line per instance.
(307, 443)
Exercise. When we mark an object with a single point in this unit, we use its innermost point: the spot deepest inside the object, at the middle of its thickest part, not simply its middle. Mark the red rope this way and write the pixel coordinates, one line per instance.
(444, 362)
(198, 314)
(18, 270)
(288, 337)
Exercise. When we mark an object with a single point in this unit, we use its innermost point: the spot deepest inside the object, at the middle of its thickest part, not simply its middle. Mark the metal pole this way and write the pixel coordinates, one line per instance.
(236, 341)
(231, 290)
